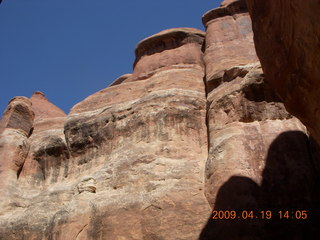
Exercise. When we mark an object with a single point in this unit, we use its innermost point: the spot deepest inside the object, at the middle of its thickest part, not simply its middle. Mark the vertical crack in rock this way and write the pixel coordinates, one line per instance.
(26, 151)
(207, 113)
(80, 231)
(206, 87)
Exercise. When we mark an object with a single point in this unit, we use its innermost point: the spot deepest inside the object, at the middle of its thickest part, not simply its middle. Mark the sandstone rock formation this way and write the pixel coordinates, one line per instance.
(43, 109)
(47, 139)
(194, 128)
(15, 127)
(133, 162)
(286, 35)
(246, 123)
(228, 40)
(259, 159)
(146, 149)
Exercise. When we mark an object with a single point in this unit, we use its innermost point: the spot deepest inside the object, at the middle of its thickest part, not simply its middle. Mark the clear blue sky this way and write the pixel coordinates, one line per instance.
(69, 49)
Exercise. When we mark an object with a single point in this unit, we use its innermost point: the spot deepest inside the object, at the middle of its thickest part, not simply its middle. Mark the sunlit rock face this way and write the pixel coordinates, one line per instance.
(144, 141)
(194, 128)
(15, 127)
(229, 40)
(132, 153)
(286, 35)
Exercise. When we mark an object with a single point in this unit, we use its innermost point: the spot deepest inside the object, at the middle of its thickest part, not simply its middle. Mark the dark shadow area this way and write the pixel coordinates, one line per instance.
(290, 192)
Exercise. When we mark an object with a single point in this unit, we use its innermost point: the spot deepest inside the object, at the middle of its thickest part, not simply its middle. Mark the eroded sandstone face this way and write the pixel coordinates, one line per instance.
(196, 127)
(47, 142)
(229, 40)
(185, 52)
(18, 115)
(15, 127)
(286, 35)
(147, 147)
(259, 155)
(132, 153)
(259, 158)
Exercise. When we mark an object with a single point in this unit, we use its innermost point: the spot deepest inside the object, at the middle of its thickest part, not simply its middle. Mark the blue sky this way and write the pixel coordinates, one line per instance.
(70, 49)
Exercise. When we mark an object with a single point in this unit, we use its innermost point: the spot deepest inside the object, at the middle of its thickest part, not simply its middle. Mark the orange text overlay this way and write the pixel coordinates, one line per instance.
(259, 215)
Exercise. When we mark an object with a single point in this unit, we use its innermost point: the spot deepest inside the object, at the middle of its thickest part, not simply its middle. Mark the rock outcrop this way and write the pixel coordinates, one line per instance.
(254, 143)
(146, 149)
(195, 128)
(134, 153)
(229, 40)
(47, 142)
(260, 159)
(286, 35)
(15, 127)
(43, 109)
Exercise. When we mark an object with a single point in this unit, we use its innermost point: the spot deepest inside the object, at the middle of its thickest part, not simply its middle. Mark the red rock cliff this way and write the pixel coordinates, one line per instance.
(286, 35)
(195, 128)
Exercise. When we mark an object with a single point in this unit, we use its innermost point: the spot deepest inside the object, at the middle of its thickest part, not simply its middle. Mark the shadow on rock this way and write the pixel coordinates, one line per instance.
(284, 206)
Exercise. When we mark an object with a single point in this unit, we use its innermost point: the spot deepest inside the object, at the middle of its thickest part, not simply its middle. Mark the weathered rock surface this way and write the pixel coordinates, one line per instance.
(47, 142)
(196, 127)
(259, 159)
(43, 108)
(152, 53)
(259, 155)
(136, 159)
(15, 127)
(244, 117)
(120, 79)
(286, 35)
(229, 40)
(148, 147)
(18, 115)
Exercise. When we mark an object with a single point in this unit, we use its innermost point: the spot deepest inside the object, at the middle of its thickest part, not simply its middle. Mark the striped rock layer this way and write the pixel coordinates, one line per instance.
(195, 128)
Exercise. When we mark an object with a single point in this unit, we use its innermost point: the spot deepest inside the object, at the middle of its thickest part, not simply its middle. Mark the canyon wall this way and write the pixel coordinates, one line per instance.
(286, 34)
(194, 128)
(259, 155)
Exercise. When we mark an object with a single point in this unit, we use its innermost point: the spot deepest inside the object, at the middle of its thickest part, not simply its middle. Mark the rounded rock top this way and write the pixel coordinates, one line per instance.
(173, 33)
(168, 39)
(227, 8)
(20, 99)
